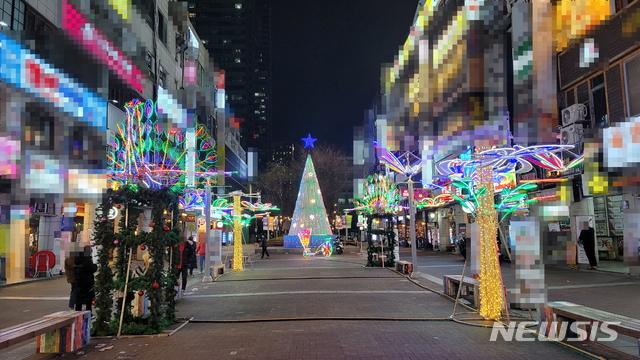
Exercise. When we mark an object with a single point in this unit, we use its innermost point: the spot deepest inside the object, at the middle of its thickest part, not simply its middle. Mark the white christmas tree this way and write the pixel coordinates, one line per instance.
(310, 212)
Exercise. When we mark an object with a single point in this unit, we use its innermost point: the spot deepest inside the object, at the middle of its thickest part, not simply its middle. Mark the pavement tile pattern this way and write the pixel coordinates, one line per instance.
(287, 286)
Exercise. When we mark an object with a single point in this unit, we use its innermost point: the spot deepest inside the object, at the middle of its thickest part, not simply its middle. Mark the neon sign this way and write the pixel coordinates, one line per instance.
(81, 30)
(23, 69)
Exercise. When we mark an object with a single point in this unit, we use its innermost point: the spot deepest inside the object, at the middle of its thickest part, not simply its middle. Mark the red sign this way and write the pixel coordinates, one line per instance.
(404, 192)
(191, 218)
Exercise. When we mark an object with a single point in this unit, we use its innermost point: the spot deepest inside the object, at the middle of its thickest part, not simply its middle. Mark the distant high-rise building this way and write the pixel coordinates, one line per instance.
(283, 153)
(237, 34)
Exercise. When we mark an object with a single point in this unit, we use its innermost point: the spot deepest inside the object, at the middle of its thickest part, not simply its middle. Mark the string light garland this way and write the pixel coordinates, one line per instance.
(237, 235)
(438, 200)
(491, 298)
(411, 165)
(517, 159)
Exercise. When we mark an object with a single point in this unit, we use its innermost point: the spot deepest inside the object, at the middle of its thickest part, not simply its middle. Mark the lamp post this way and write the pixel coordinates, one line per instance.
(207, 234)
(207, 209)
(412, 230)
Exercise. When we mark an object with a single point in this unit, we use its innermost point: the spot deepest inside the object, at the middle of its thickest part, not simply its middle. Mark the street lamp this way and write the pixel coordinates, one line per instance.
(207, 215)
(409, 166)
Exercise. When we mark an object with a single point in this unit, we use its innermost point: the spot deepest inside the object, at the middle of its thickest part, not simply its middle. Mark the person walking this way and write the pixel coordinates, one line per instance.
(193, 260)
(588, 239)
(201, 251)
(69, 269)
(264, 247)
(186, 251)
(83, 271)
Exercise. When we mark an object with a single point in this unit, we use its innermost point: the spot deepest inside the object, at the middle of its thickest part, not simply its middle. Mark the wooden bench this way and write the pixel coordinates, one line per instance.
(470, 287)
(404, 267)
(64, 331)
(563, 311)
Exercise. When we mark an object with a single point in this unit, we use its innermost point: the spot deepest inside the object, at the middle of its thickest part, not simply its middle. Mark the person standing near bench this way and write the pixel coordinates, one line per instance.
(84, 268)
(588, 238)
(185, 259)
(201, 251)
(69, 268)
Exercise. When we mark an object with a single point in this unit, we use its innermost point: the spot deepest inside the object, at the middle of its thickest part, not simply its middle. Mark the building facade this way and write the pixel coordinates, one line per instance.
(238, 34)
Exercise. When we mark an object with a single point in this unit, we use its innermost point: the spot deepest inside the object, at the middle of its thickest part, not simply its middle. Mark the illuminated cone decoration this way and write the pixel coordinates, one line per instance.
(310, 213)
(304, 235)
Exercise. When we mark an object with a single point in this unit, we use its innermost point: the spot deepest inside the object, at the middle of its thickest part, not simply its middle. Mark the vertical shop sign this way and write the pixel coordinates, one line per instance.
(615, 215)
(601, 220)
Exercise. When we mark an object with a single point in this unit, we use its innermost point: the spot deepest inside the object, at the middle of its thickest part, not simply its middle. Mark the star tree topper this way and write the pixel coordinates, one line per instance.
(308, 141)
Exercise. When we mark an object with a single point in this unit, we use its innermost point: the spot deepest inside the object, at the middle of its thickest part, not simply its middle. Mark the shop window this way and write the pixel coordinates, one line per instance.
(162, 77)
(570, 96)
(632, 85)
(39, 132)
(599, 102)
(148, 8)
(35, 22)
(621, 4)
(162, 28)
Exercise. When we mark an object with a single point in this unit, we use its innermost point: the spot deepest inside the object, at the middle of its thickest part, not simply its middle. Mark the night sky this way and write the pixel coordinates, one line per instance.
(326, 60)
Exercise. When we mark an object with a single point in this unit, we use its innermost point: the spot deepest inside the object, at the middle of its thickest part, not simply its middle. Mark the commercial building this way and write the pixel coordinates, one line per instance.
(53, 119)
(238, 33)
(491, 83)
(598, 76)
(57, 119)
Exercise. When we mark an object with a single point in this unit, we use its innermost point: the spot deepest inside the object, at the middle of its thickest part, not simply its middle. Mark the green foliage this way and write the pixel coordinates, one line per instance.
(136, 326)
(132, 200)
(103, 236)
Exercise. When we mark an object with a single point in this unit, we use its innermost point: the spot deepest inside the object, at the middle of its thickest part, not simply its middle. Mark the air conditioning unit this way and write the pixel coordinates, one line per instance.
(571, 134)
(44, 209)
(573, 113)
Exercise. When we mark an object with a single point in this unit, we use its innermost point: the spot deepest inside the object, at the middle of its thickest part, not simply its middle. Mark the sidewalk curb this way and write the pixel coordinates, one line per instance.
(602, 271)
(28, 281)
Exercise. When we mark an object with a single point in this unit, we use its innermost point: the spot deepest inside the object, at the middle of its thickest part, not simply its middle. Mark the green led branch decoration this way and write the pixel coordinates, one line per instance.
(380, 196)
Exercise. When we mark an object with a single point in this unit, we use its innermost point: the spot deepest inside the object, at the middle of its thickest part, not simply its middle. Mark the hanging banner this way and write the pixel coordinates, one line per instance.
(632, 237)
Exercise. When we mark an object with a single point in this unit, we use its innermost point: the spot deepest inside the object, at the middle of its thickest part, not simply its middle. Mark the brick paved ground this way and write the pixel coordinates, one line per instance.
(325, 340)
(336, 287)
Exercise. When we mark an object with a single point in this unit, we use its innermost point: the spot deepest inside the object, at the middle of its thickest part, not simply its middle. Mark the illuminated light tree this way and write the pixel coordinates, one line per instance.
(380, 201)
(310, 212)
(478, 174)
(141, 153)
(237, 234)
(407, 164)
(233, 214)
(492, 299)
(146, 173)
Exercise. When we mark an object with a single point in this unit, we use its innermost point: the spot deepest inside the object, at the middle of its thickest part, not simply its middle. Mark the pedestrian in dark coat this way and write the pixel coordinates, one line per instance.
(264, 247)
(185, 257)
(193, 260)
(69, 269)
(84, 268)
(588, 238)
